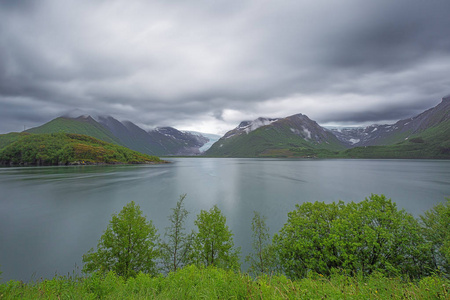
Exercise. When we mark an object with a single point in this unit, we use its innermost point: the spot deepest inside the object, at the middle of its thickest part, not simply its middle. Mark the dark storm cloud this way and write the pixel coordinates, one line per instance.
(207, 65)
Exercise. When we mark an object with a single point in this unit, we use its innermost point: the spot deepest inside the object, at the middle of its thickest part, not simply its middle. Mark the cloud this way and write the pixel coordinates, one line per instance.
(207, 64)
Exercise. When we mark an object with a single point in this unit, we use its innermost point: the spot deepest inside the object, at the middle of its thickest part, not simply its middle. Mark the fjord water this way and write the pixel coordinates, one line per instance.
(51, 216)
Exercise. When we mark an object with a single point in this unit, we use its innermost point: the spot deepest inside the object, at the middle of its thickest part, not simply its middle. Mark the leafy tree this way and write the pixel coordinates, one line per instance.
(262, 259)
(436, 223)
(176, 250)
(213, 244)
(358, 238)
(373, 235)
(302, 244)
(127, 247)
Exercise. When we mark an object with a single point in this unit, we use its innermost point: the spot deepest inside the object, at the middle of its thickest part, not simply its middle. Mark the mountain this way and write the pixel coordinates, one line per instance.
(265, 137)
(67, 149)
(160, 141)
(426, 135)
(177, 142)
(381, 135)
(423, 136)
(132, 136)
(82, 125)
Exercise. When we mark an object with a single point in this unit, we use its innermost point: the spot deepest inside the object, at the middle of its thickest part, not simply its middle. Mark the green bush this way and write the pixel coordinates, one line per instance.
(358, 238)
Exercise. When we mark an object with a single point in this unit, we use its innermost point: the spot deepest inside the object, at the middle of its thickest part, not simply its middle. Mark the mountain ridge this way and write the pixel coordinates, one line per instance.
(277, 133)
(297, 135)
(386, 134)
(160, 141)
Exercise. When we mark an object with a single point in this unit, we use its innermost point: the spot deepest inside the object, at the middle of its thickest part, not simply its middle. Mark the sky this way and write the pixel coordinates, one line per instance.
(208, 65)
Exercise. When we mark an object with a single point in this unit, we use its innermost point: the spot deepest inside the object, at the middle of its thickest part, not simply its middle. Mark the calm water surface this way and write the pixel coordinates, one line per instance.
(51, 216)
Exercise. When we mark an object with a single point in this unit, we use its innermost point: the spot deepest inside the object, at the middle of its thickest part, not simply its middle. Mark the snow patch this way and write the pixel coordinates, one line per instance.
(354, 141)
(307, 132)
(296, 131)
(231, 135)
(375, 129)
(260, 122)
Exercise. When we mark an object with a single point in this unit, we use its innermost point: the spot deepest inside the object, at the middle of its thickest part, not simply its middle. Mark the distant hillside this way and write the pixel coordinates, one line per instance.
(132, 136)
(433, 142)
(426, 135)
(177, 142)
(262, 136)
(380, 135)
(82, 125)
(161, 141)
(67, 149)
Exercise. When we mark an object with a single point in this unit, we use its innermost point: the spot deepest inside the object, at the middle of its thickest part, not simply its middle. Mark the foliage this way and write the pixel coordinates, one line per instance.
(436, 224)
(194, 282)
(358, 238)
(63, 148)
(9, 138)
(365, 250)
(176, 249)
(213, 243)
(127, 247)
(262, 259)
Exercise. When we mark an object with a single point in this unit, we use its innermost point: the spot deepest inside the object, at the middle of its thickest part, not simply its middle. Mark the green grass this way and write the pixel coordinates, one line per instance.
(67, 149)
(193, 282)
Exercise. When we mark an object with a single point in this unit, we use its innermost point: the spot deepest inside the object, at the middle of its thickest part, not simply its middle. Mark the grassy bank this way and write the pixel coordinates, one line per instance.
(193, 282)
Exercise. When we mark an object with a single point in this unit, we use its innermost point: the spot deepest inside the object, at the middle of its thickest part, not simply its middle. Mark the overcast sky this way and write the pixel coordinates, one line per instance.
(207, 65)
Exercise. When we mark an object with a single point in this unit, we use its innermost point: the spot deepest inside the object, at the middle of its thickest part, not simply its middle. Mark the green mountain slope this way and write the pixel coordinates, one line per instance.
(67, 149)
(426, 135)
(161, 141)
(81, 125)
(296, 131)
(433, 142)
(132, 136)
(384, 135)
